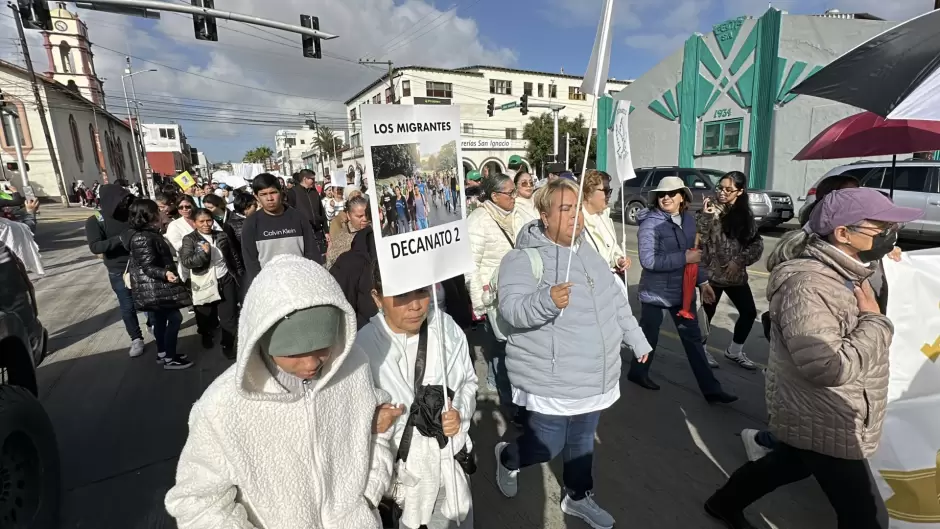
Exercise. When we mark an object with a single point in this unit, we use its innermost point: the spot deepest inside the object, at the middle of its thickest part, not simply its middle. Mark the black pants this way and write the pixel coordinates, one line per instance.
(848, 483)
(743, 300)
(223, 312)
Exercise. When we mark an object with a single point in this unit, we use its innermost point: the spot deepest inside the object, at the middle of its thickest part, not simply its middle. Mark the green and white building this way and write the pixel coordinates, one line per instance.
(724, 100)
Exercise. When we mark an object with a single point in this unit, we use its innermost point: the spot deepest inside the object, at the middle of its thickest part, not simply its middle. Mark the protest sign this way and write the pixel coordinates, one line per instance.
(338, 178)
(907, 463)
(184, 180)
(408, 148)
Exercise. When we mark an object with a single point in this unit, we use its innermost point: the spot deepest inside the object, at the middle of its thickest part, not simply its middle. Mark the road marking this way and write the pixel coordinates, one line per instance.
(749, 270)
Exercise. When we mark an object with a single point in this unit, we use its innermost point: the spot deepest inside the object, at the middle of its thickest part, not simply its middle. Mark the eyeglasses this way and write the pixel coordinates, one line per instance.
(185, 207)
(512, 193)
(663, 194)
(607, 191)
(727, 190)
(525, 183)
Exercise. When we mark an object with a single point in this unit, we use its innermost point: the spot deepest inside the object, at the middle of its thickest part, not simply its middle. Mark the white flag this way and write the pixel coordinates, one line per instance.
(618, 135)
(595, 77)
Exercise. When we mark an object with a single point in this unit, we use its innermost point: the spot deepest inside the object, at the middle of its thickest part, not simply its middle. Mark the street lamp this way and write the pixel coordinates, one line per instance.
(130, 121)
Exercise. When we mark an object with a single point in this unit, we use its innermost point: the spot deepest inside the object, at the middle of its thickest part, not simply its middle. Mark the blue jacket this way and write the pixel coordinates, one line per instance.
(662, 247)
(575, 355)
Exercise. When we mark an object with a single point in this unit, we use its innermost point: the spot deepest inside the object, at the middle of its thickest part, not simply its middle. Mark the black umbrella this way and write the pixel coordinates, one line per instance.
(895, 74)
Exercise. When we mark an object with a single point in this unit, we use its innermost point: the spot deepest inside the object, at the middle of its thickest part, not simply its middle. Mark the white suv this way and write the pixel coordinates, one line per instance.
(917, 185)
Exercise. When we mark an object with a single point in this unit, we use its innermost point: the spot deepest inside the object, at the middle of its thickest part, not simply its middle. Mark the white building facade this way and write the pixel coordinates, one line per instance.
(168, 151)
(485, 141)
(289, 147)
(91, 144)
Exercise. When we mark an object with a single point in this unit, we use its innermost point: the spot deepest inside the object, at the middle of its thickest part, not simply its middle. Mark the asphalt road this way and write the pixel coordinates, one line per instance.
(121, 422)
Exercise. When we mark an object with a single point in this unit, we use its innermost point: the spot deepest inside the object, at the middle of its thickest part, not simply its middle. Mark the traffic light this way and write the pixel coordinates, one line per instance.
(204, 25)
(524, 104)
(35, 14)
(311, 45)
(491, 107)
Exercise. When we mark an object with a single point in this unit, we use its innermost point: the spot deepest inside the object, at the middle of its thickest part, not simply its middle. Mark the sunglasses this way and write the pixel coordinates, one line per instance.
(525, 184)
(185, 207)
(607, 191)
(663, 194)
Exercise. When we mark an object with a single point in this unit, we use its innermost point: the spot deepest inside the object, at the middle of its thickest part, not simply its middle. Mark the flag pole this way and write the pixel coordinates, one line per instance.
(600, 73)
(447, 403)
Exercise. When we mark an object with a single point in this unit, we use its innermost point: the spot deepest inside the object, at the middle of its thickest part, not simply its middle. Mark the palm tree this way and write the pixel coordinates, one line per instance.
(327, 142)
(258, 154)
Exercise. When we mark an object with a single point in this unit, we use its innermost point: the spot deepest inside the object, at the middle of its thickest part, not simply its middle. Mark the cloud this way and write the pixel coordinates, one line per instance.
(413, 32)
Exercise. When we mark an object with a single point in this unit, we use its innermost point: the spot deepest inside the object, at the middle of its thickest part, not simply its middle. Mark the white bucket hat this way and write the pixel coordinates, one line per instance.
(670, 183)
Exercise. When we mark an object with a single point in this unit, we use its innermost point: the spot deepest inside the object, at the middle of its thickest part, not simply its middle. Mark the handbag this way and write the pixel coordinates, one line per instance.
(126, 276)
(205, 288)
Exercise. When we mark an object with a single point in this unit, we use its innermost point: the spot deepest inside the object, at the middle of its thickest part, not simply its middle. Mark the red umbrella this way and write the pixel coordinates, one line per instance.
(869, 134)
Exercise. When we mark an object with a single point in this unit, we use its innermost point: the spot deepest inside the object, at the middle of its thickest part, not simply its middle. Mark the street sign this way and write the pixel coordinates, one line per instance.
(507, 106)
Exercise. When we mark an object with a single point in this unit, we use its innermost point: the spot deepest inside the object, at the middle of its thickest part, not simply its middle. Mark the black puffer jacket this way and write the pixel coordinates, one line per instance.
(353, 271)
(150, 260)
(198, 261)
(235, 221)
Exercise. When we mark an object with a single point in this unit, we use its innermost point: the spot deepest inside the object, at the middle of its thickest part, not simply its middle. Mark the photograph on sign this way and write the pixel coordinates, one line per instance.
(412, 154)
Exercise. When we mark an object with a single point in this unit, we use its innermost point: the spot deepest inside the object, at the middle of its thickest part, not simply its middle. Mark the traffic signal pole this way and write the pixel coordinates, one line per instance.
(195, 10)
(60, 183)
(18, 143)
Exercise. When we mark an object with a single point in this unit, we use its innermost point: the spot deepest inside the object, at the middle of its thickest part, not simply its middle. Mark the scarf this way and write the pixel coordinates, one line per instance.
(503, 218)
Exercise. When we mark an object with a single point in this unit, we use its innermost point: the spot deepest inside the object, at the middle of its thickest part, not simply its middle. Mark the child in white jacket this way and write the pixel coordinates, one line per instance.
(283, 439)
(430, 485)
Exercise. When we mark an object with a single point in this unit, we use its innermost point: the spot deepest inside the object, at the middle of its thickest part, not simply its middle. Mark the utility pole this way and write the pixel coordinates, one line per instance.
(311, 121)
(391, 76)
(60, 183)
(140, 137)
(12, 121)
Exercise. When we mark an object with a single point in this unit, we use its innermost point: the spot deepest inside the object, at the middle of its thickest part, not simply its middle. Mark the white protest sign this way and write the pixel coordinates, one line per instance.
(405, 146)
(907, 463)
(338, 178)
(619, 157)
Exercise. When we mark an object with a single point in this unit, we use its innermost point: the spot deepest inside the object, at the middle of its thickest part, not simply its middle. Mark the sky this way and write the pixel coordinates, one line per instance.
(230, 96)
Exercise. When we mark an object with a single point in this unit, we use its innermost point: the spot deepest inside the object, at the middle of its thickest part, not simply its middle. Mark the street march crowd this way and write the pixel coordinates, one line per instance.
(346, 407)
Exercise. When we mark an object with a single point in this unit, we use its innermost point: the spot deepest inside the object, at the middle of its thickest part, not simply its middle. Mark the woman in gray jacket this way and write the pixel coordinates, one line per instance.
(564, 365)
(827, 378)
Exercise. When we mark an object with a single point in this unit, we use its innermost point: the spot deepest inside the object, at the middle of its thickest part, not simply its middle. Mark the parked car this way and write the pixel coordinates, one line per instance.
(771, 208)
(917, 185)
(29, 455)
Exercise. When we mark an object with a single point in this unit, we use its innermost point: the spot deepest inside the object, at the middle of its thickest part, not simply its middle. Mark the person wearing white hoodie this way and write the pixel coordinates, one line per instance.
(431, 485)
(284, 438)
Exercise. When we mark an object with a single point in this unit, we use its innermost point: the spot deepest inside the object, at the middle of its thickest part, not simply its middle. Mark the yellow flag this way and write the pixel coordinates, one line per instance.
(185, 180)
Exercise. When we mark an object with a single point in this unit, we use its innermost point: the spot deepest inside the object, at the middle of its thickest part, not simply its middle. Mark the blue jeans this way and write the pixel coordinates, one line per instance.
(126, 302)
(545, 436)
(496, 375)
(166, 329)
(422, 223)
(403, 225)
(651, 319)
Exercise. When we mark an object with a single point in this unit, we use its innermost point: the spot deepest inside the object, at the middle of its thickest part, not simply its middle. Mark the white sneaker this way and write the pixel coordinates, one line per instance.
(754, 450)
(137, 347)
(506, 480)
(741, 359)
(712, 363)
(588, 510)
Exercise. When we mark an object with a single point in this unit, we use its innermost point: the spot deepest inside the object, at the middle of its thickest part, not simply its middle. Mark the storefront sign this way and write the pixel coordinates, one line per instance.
(494, 144)
(431, 101)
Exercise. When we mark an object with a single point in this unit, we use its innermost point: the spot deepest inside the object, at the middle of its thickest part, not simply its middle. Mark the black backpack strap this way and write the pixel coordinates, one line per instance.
(508, 239)
(404, 446)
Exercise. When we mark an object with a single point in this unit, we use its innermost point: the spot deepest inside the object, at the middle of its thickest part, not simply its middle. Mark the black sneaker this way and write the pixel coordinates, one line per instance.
(177, 363)
(720, 398)
(161, 357)
(731, 519)
(207, 342)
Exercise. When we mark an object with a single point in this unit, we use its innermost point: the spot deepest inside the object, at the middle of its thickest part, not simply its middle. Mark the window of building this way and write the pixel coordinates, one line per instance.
(352, 114)
(76, 144)
(388, 96)
(466, 128)
(8, 132)
(302, 142)
(510, 134)
(722, 136)
(130, 154)
(65, 54)
(171, 134)
(527, 89)
(163, 134)
(94, 146)
(613, 92)
(406, 88)
(290, 142)
(552, 90)
(498, 86)
(541, 90)
(574, 93)
(445, 90)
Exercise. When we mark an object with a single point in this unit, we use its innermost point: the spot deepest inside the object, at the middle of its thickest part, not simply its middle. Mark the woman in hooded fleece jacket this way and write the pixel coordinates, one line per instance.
(271, 449)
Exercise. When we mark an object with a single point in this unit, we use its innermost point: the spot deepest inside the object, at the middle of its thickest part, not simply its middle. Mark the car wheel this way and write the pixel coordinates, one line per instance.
(633, 209)
(29, 462)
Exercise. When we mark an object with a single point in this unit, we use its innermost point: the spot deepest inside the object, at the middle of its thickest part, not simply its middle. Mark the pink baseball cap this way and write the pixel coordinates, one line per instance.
(851, 206)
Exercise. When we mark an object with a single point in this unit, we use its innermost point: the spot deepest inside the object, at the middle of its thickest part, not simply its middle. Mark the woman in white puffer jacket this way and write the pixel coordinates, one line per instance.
(492, 228)
(430, 484)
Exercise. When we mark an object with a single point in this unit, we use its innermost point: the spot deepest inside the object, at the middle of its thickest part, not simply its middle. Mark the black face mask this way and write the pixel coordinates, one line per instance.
(881, 245)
